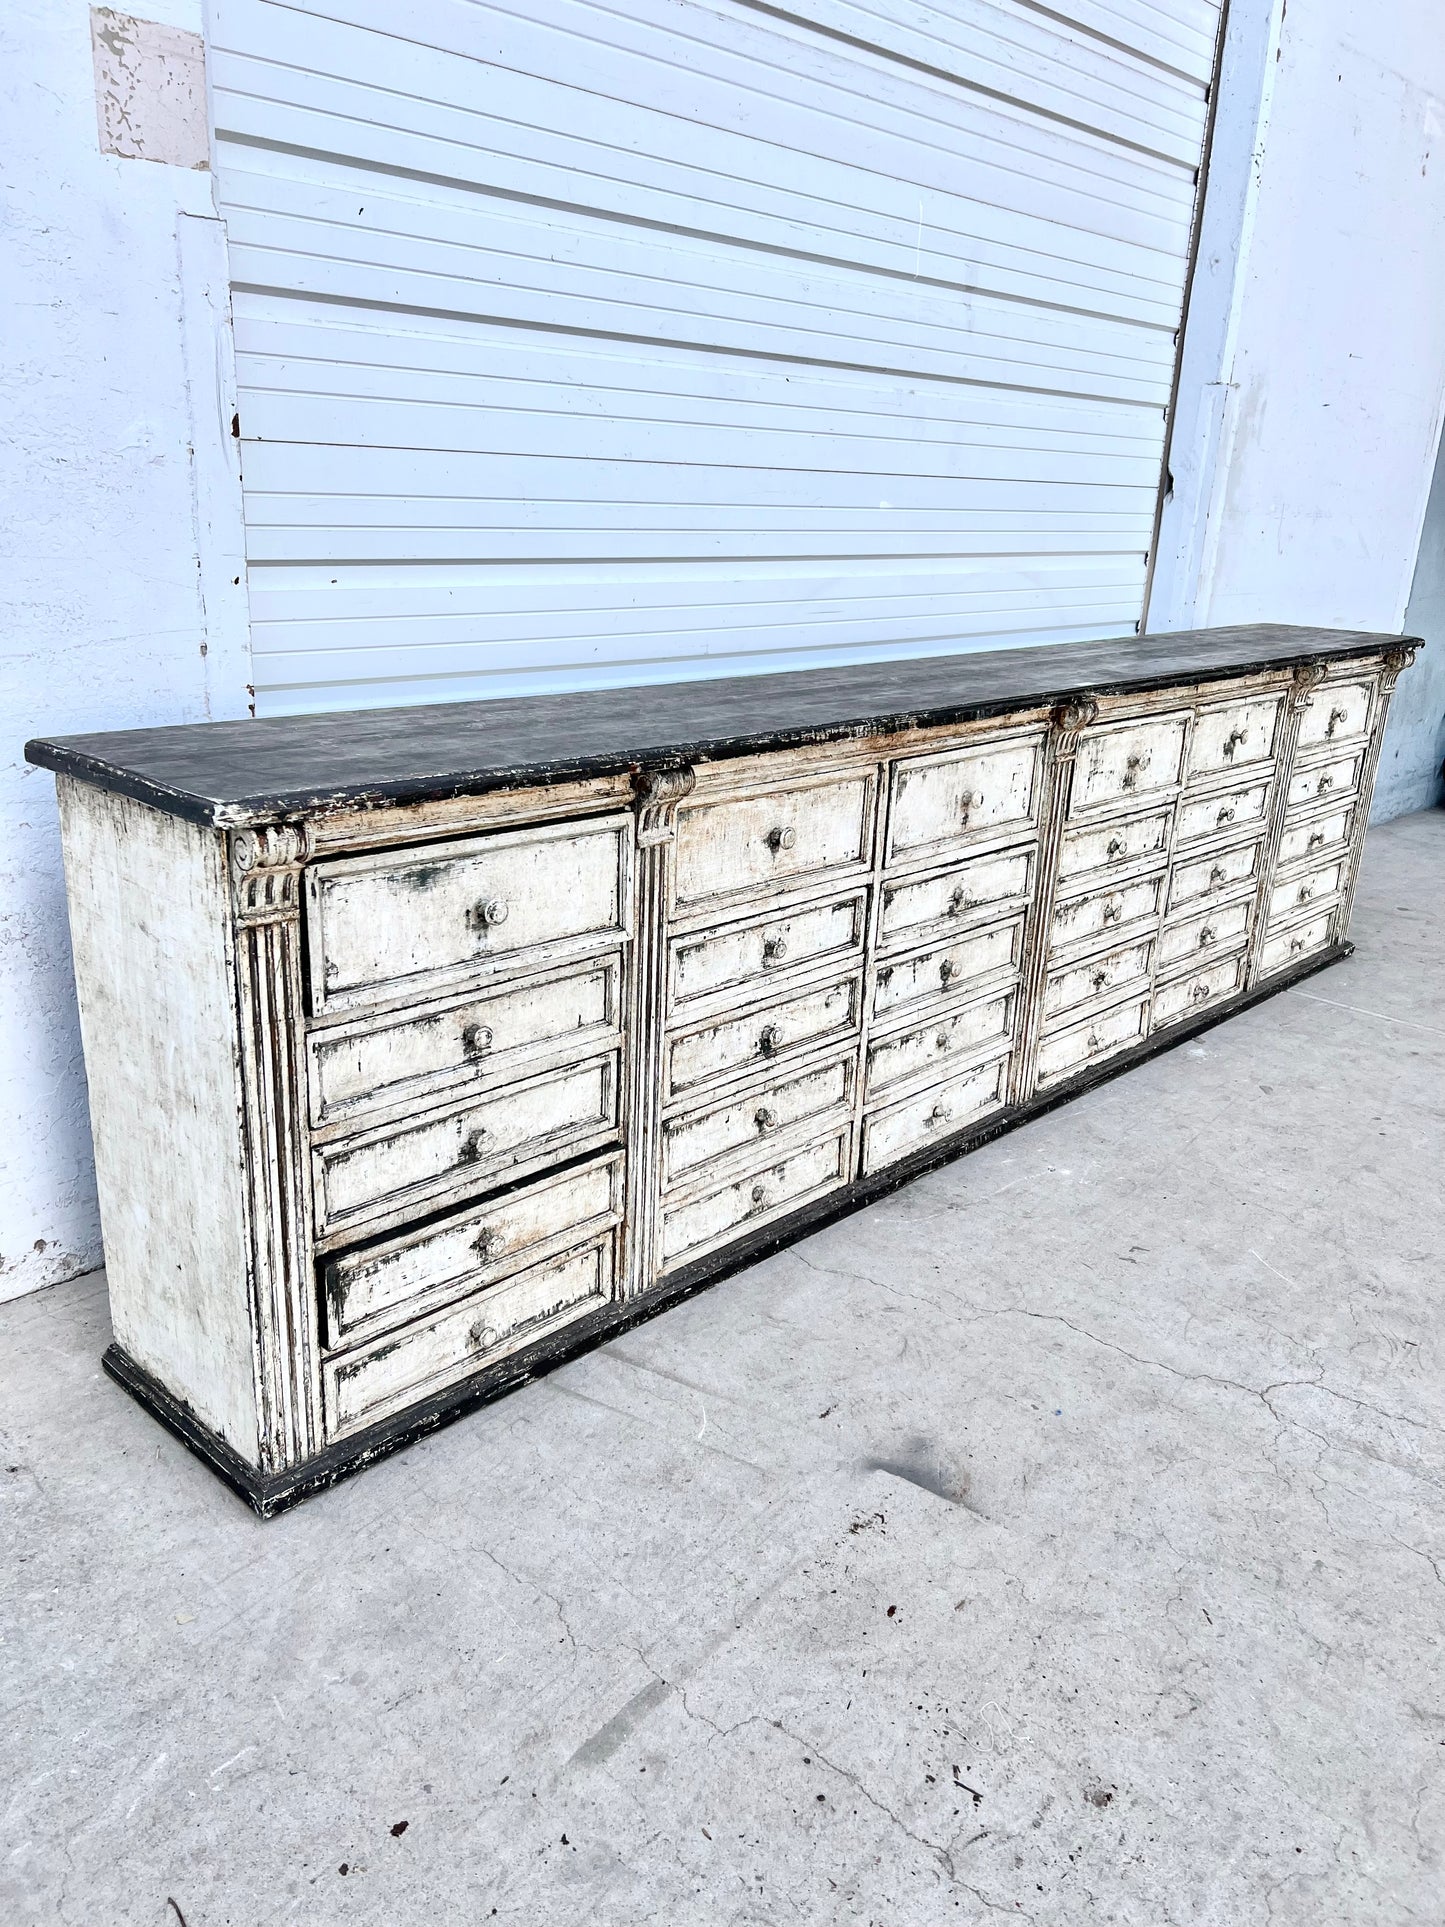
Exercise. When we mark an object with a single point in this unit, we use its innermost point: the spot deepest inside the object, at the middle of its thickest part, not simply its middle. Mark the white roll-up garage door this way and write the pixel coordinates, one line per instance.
(596, 341)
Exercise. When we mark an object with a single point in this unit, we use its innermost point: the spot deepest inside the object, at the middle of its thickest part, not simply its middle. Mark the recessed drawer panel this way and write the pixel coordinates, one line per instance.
(380, 927)
(1216, 815)
(1197, 936)
(948, 970)
(1112, 845)
(689, 1230)
(929, 1047)
(360, 1067)
(939, 1112)
(1236, 734)
(743, 955)
(1103, 911)
(1065, 989)
(1188, 994)
(375, 1289)
(555, 1115)
(1122, 760)
(939, 800)
(726, 849)
(1188, 882)
(919, 907)
(1337, 778)
(1317, 886)
(1335, 713)
(1317, 836)
(692, 1142)
(364, 1386)
(791, 1024)
(1278, 953)
(1068, 1052)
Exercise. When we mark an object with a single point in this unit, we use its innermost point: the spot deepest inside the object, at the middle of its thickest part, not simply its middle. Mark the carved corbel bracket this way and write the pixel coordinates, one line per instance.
(656, 794)
(1394, 663)
(1306, 680)
(1071, 719)
(266, 865)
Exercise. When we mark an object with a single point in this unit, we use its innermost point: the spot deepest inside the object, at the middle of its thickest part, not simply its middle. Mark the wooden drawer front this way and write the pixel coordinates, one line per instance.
(1338, 778)
(938, 800)
(923, 906)
(1335, 713)
(1290, 945)
(1103, 911)
(928, 1048)
(363, 1386)
(357, 1068)
(1112, 845)
(1067, 1052)
(1215, 815)
(548, 1117)
(1196, 937)
(937, 1113)
(376, 1289)
(690, 1229)
(1316, 836)
(1189, 882)
(1234, 735)
(1064, 990)
(1127, 759)
(740, 957)
(1191, 993)
(692, 1142)
(726, 849)
(948, 970)
(1316, 886)
(381, 927)
(792, 1024)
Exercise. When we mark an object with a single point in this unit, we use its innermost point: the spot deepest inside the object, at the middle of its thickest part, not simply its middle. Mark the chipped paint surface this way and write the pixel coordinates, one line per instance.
(150, 90)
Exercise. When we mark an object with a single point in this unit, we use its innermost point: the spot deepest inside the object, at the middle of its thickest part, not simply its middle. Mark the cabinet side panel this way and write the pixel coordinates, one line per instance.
(149, 920)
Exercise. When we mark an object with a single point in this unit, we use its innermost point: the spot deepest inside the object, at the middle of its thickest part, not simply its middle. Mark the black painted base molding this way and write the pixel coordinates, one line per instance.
(270, 1493)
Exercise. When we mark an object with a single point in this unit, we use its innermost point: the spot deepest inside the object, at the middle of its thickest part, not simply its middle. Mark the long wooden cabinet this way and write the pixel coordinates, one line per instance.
(426, 1048)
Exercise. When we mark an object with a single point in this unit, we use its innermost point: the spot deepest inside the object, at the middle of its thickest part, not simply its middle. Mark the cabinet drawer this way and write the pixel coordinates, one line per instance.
(691, 1229)
(1233, 735)
(1188, 882)
(383, 927)
(690, 1143)
(939, 800)
(1066, 989)
(1195, 937)
(1215, 815)
(744, 954)
(378, 1063)
(1290, 946)
(1103, 911)
(364, 1386)
(1337, 778)
(558, 1114)
(1193, 991)
(948, 970)
(729, 848)
(923, 906)
(928, 1048)
(937, 1113)
(1112, 845)
(1316, 886)
(1122, 760)
(1316, 836)
(1335, 713)
(791, 1024)
(375, 1289)
(1067, 1052)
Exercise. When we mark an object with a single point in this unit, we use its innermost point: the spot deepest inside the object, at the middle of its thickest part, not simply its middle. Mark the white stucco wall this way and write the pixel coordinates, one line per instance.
(102, 621)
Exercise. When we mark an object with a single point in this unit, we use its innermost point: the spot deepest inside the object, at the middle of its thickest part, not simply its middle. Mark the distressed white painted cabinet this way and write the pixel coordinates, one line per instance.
(427, 1047)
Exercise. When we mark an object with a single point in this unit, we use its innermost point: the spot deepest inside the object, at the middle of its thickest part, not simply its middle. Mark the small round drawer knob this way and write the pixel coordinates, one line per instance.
(770, 1039)
(481, 1337)
(942, 1040)
(947, 971)
(969, 801)
(487, 1244)
(766, 1118)
(1326, 782)
(760, 1194)
(1218, 876)
(1132, 767)
(1199, 993)
(489, 912)
(1099, 979)
(774, 950)
(940, 1114)
(477, 1040)
(1113, 909)
(1337, 716)
(1226, 815)
(1233, 740)
(959, 902)
(1206, 936)
(470, 1148)
(1306, 891)
(1316, 840)
(781, 839)
(1296, 945)
(1093, 1043)
(1116, 847)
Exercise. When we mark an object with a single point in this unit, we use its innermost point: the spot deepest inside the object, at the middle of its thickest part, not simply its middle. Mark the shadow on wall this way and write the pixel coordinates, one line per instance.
(1414, 746)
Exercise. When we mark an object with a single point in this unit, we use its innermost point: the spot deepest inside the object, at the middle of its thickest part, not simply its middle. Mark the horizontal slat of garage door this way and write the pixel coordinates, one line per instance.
(585, 343)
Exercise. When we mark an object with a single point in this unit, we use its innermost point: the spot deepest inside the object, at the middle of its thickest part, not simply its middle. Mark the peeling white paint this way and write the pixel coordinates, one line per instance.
(150, 89)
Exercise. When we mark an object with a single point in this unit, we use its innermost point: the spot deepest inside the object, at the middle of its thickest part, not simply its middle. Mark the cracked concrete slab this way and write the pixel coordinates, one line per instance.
(1135, 1420)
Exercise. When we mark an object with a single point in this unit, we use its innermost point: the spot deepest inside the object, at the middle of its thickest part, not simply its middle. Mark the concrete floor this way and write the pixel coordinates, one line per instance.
(1060, 1540)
